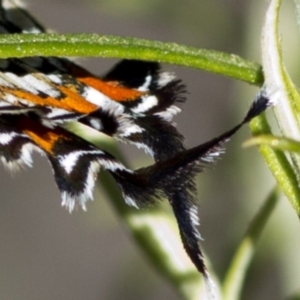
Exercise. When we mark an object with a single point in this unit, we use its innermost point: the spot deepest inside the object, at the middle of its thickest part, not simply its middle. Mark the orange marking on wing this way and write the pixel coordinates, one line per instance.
(71, 101)
(110, 89)
(77, 102)
(44, 137)
(113, 91)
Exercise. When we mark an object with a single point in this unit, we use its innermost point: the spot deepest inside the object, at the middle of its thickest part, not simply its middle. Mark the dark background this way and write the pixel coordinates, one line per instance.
(46, 253)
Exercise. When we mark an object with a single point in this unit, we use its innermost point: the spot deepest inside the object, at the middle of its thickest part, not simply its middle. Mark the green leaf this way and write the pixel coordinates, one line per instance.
(278, 164)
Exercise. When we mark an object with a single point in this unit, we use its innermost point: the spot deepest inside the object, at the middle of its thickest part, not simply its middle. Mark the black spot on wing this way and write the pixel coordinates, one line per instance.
(109, 123)
(10, 65)
(167, 95)
(159, 135)
(132, 73)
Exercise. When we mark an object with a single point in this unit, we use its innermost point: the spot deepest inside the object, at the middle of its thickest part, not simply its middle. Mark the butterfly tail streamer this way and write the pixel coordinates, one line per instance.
(174, 178)
(186, 215)
(184, 203)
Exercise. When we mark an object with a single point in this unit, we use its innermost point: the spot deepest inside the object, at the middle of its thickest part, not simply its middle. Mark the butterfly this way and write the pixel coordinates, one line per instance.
(133, 103)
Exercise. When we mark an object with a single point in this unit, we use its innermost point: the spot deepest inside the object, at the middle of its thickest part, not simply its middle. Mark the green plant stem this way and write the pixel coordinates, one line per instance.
(278, 81)
(237, 271)
(20, 45)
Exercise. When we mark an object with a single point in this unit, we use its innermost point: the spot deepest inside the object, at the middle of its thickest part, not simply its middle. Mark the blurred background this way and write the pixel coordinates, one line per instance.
(46, 253)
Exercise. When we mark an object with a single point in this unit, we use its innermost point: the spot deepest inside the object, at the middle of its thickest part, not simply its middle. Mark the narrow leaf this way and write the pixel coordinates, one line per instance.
(238, 268)
(278, 164)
